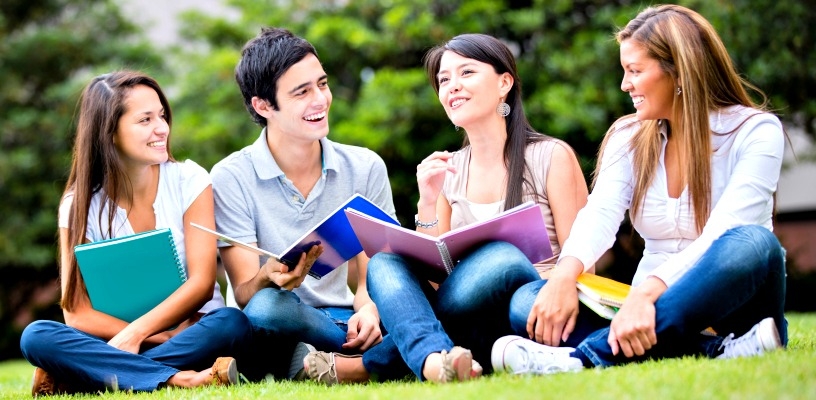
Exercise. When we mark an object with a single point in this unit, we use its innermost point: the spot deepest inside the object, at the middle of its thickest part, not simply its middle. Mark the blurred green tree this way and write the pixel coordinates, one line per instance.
(372, 50)
(565, 50)
(48, 50)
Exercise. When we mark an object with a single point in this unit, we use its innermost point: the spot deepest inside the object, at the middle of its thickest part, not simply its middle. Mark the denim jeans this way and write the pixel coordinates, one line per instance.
(88, 364)
(738, 281)
(279, 320)
(470, 307)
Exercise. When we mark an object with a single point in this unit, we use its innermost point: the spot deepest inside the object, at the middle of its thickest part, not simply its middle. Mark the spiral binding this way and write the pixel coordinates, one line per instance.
(182, 271)
(447, 261)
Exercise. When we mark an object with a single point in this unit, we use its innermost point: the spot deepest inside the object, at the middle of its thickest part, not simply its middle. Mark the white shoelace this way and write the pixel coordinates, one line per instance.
(541, 362)
(745, 345)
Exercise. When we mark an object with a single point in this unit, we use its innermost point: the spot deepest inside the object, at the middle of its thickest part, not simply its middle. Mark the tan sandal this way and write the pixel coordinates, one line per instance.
(320, 366)
(458, 365)
(224, 371)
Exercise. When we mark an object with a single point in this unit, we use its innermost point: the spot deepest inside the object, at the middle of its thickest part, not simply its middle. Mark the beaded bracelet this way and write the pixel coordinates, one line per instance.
(425, 225)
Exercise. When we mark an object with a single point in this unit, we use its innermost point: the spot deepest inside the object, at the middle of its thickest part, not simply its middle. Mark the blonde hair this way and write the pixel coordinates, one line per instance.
(690, 51)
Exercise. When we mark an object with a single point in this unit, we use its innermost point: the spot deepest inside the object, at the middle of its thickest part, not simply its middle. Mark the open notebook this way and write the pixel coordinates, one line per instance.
(522, 226)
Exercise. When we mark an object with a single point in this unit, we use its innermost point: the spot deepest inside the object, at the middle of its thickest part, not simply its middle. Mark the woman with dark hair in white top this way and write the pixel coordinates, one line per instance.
(124, 180)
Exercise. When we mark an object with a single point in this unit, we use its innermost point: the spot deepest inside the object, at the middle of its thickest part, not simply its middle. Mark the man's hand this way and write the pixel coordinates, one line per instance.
(280, 274)
(364, 328)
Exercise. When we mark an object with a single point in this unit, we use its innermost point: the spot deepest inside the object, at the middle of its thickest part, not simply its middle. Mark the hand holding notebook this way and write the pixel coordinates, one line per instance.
(522, 226)
(334, 233)
(603, 295)
(130, 275)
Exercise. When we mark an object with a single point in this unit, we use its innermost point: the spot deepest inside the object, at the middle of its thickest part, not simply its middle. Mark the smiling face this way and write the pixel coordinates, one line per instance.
(470, 90)
(651, 88)
(303, 98)
(142, 131)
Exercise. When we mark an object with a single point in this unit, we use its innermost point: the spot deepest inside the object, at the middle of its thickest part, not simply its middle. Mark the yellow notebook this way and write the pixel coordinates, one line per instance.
(603, 291)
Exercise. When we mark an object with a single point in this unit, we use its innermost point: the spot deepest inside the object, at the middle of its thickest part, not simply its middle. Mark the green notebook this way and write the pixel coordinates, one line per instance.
(128, 276)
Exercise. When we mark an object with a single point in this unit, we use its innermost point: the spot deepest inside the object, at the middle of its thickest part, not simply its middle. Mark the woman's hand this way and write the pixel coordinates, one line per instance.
(554, 311)
(633, 328)
(128, 339)
(363, 329)
(430, 176)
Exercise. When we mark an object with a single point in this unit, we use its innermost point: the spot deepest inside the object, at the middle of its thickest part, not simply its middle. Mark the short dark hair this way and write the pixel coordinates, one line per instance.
(263, 60)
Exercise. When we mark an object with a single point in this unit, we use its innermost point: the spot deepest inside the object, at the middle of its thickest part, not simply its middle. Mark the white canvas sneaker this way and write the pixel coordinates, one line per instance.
(761, 338)
(518, 355)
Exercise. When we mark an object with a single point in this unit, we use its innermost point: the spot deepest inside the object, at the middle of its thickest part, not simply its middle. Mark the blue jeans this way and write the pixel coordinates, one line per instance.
(88, 364)
(279, 320)
(738, 281)
(470, 307)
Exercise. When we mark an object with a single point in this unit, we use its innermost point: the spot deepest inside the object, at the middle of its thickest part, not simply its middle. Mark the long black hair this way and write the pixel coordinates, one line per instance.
(520, 133)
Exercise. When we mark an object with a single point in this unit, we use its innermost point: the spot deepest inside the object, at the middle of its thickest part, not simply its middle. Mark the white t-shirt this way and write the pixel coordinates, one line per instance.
(745, 169)
(180, 183)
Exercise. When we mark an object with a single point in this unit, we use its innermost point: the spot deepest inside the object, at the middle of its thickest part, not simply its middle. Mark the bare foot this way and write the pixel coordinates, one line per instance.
(350, 370)
(189, 379)
(223, 372)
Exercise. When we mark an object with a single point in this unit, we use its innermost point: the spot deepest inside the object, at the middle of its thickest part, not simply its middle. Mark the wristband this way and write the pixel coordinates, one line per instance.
(425, 225)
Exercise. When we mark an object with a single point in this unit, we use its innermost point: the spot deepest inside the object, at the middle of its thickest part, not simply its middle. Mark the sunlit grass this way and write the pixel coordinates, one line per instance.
(787, 374)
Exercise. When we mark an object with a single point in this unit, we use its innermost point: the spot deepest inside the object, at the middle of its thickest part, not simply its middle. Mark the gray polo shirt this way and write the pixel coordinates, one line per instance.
(255, 202)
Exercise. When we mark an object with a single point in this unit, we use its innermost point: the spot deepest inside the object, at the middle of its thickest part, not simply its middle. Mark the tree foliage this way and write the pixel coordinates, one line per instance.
(565, 50)
(48, 50)
(372, 51)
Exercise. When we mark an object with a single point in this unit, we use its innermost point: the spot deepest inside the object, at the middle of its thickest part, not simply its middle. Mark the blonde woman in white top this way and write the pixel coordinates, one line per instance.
(697, 167)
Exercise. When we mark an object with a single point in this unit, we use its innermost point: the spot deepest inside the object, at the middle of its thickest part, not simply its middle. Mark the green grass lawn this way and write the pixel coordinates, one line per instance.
(787, 374)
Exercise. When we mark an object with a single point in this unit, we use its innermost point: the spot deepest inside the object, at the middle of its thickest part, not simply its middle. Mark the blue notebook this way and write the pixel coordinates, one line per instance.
(130, 275)
(340, 243)
(334, 232)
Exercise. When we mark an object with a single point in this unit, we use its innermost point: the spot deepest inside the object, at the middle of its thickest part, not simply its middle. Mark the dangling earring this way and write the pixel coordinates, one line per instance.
(503, 109)
(456, 127)
(679, 91)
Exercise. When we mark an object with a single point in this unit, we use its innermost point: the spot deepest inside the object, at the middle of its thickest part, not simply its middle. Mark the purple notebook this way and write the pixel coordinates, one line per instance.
(522, 226)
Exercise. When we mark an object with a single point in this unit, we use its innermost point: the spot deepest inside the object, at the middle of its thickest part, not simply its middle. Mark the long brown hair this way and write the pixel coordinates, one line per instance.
(520, 133)
(96, 165)
(690, 51)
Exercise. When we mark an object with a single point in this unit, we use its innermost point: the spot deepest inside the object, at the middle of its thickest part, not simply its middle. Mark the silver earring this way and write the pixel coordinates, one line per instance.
(679, 91)
(503, 109)
(456, 127)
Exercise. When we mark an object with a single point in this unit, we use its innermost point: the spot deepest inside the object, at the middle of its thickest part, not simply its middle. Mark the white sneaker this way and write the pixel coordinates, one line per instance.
(761, 338)
(518, 355)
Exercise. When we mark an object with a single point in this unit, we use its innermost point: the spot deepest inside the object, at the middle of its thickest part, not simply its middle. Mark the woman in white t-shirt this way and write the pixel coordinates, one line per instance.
(124, 180)
(696, 166)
